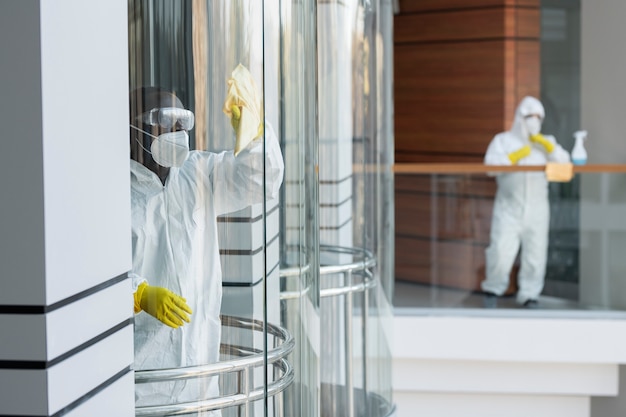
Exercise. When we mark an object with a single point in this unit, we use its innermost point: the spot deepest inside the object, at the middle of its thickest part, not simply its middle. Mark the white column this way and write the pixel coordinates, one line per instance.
(65, 301)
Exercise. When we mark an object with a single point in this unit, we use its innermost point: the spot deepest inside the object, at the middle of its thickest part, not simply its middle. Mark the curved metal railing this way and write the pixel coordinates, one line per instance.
(358, 277)
(359, 268)
(247, 359)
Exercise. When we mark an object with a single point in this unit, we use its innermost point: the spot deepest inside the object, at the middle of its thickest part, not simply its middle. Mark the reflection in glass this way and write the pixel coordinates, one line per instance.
(354, 180)
(291, 284)
(206, 226)
(299, 230)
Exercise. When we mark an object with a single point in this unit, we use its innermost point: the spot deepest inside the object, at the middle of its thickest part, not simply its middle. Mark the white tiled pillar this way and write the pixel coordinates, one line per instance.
(246, 261)
(66, 344)
(250, 279)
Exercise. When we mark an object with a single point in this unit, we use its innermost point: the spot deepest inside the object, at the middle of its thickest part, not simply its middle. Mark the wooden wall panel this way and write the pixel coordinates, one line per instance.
(444, 263)
(448, 98)
(466, 25)
(459, 219)
(477, 185)
(523, 23)
(453, 94)
(414, 6)
(447, 213)
(448, 264)
(442, 228)
(528, 69)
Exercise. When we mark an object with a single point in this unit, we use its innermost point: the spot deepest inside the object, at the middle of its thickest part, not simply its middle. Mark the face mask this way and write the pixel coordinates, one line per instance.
(533, 125)
(169, 149)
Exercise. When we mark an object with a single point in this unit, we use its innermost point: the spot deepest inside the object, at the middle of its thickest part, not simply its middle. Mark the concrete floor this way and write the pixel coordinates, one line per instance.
(419, 299)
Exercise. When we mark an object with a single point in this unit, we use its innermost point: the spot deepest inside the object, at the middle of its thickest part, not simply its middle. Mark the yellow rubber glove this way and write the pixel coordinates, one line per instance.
(521, 153)
(541, 140)
(236, 118)
(243, 94)
(161, 303)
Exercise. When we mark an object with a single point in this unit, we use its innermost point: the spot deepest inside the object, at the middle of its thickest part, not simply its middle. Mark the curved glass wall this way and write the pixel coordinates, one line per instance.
(214, 225)
(356, 277)
(299, 233)
(273, 237)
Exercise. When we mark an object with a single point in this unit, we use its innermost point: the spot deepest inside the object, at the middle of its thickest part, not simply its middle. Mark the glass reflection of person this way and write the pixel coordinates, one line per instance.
(176, 195)
(521, 213)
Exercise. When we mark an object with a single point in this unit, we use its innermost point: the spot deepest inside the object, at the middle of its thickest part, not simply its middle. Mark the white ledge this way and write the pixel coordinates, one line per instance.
(516, 338)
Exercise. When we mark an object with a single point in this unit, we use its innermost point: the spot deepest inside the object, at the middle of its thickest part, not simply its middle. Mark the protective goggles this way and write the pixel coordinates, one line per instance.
(530, 116)
(168, 118)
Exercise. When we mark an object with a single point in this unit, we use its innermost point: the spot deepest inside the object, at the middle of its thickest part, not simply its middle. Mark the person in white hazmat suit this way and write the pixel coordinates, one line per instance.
(521, 211)
(176, 195)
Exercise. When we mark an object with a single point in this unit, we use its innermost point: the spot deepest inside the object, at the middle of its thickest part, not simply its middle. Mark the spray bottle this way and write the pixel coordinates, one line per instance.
(579, 154)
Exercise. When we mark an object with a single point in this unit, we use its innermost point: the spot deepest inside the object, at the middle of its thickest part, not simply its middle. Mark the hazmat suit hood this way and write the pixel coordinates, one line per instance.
(528, 105)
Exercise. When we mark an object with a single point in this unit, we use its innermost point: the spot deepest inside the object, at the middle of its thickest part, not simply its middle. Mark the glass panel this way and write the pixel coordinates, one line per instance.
(560, 95)
(209, 223)
(354, 176)
(299, 238)
(444, 256)
(373, 202)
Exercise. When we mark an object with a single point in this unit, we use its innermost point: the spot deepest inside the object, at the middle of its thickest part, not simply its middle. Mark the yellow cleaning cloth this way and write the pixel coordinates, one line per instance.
(243, 107)
(557, 172)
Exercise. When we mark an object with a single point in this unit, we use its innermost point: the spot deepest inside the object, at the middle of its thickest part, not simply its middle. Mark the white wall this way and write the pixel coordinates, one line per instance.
(65, 299)
(520, 365)
(84, 111)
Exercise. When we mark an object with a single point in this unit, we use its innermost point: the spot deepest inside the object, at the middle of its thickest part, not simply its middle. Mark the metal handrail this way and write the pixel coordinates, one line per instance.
(294, 271)
(481, 168)
(367, 283)
(359, 267)
(291, 295)
(273, 388)
(367, 262)
(251, 358)
(362, 268)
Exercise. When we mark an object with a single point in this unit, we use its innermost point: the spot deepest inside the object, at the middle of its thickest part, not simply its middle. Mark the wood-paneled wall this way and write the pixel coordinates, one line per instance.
(442, 229)
(461, 67)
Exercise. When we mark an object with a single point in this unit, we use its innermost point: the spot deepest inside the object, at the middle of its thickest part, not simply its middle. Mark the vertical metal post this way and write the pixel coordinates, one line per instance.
(364, 314)
(244, 388)
(348, 352)
(278, 398)
(434, 244)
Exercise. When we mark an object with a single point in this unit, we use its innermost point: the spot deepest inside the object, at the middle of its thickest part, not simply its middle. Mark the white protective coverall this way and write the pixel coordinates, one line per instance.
(175, 245)
(521, 211)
